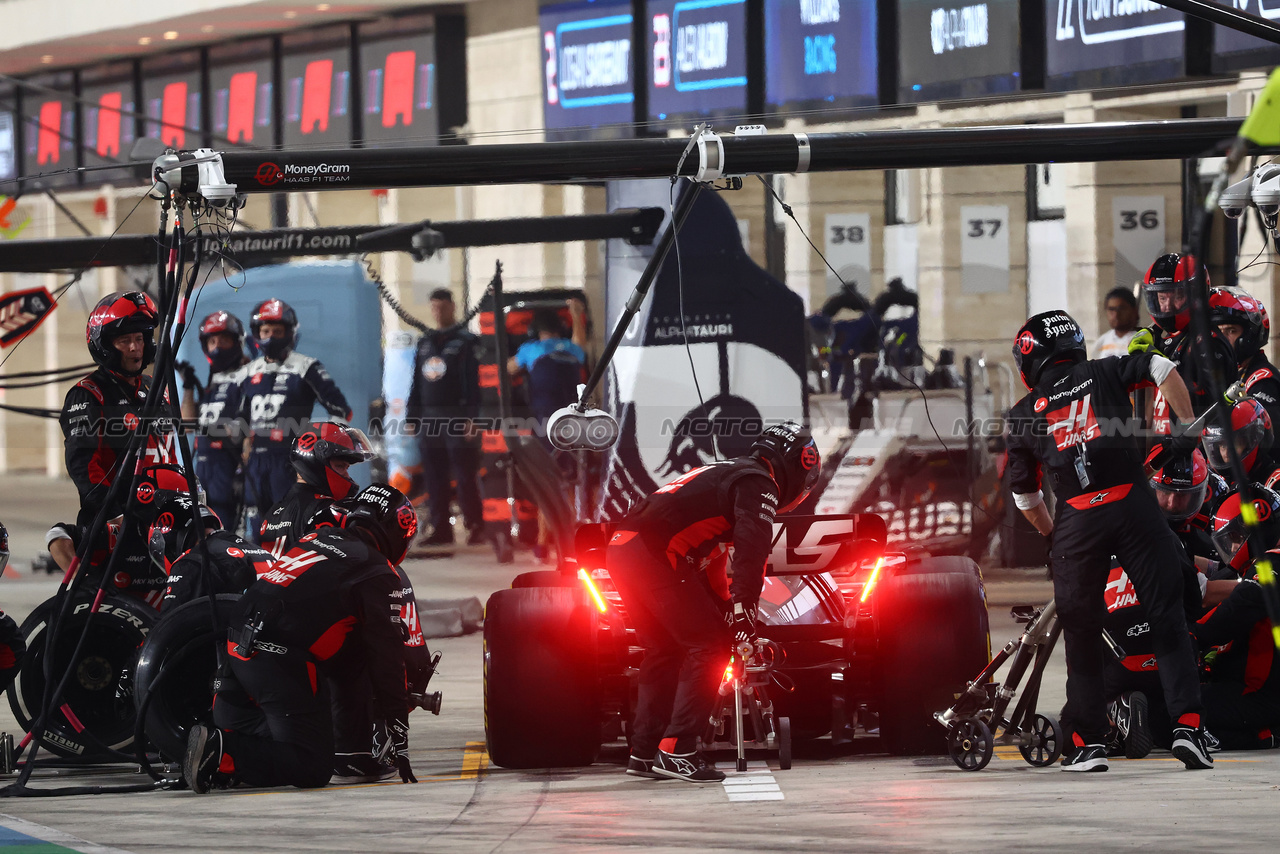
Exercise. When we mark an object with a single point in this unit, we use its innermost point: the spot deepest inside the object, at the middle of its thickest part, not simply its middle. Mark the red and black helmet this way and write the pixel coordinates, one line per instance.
(1251, 428)
(1232, 306)
(158, 484)
(315, 451)
(1048, 337)
(122, 314)
(1230, 536)
(1171, 274)
(172, 533)
(793, 455)
(275, 311)
(386, 516)
(1181, 486)
(222, 323)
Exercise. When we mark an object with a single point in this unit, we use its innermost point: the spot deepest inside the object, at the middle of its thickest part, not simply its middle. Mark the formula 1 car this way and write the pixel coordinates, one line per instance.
(866, 639)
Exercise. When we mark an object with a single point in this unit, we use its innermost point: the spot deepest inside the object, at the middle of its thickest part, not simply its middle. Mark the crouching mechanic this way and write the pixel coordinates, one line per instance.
(1074, 421)
(660, 558)
(217, 563)
(336, 590)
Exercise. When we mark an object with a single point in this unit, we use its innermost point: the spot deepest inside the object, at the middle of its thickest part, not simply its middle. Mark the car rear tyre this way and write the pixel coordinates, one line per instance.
(934, 638)
(541, 678)
(183, 645)
(543, 578)
(99, 692)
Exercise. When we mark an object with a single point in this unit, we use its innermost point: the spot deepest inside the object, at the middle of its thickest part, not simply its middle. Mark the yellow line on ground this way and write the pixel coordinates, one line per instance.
(475, 760)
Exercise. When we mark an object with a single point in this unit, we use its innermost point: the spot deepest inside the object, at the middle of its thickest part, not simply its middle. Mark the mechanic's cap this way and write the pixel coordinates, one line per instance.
(793, 456)
(1231, 538)
(1182, 485)
(386, 515)
(1250, 427)
(1045, 338)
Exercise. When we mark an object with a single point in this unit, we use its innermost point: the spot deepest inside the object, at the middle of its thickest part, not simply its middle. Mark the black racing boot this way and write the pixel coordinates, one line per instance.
(1088, 757)
(1129, 714)
(682, 760)
(637, 767)
(203, 758)
(349, 768)
(1191, 746)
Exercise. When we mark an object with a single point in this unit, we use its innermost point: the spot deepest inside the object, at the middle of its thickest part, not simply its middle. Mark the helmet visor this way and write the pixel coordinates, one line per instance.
(1232, 543)
(1247, 438)
(1166, 300)
(1179, 503)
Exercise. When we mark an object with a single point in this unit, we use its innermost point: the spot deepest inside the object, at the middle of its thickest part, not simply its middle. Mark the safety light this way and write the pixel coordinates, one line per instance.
(871, 582)
(593, 590)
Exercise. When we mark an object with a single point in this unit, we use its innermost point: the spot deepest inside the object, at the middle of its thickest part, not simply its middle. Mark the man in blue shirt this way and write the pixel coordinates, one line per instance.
(553, 362)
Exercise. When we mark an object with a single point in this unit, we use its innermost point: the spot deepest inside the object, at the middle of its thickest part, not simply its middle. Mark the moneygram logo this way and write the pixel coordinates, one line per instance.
(292, 170)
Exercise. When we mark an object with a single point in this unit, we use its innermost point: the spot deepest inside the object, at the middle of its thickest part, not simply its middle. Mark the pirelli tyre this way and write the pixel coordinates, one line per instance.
(99, 693)
(933, 638)
(541, 678)
(544, 578)
(176, 669)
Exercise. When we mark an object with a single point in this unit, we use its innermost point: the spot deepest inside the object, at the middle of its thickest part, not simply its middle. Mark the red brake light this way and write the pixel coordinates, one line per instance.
(871, 582)
(594, 591)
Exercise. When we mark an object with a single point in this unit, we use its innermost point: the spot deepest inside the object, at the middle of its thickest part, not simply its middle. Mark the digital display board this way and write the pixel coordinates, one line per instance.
(399, 93)
(697, 53)
(9, 165)
(317, 88)
(956, 49)
(109, 103)
(820, 54)
(242, 94)
(171, 96)
(587, 81)
(49, 127)
(1233, 50)
(1111, 42)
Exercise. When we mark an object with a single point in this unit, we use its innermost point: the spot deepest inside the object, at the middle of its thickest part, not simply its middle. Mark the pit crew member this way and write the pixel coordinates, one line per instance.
(279, 390)
(1243, 321)
(336, 591)
(219, 444)
(1068, 423)
(1166, 289)
(218, 563)
(659, 557)
(1253, 435)
(102, 411)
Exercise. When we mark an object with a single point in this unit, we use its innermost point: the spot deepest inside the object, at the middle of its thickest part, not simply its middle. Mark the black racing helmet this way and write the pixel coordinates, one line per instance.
(790, 451)
(1171, 276)
(386, 516)
(315, 451)
(1048, 337)
(122, 314)
(172, 534)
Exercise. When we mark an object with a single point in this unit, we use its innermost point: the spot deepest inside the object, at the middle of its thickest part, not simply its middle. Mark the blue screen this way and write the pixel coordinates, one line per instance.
(820, 51)
(587, 65)
(697, 52)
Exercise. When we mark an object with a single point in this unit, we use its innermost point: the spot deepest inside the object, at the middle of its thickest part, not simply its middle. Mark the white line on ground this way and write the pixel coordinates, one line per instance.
(754, 784)
(56, 837)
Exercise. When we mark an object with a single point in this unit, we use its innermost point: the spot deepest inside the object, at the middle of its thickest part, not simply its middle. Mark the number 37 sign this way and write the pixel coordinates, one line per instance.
(984, 249)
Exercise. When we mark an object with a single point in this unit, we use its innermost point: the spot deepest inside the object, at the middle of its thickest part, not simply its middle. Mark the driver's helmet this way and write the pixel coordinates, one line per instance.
(1181, 486)
(1231, 537)
(1251, 429)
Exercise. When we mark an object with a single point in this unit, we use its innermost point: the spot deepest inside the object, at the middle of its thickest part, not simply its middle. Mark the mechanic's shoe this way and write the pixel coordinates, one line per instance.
(1090, 757)
(1129, 713)
(351, 768)
(1215, 746)
(685, 766)
(637, 767)
(203, 758)
(1192, 748)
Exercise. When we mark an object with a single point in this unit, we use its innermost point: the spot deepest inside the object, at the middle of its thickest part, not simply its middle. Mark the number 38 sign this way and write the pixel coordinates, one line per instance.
(1137, 228)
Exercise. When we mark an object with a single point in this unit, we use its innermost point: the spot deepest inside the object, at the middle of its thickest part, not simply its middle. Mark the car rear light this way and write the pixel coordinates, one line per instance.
(871, 582)
(593, 591)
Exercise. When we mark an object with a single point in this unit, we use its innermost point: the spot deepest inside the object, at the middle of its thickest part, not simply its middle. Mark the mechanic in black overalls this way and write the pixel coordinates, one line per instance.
(217, 563)
(336, 592)
(444, 400)
(1169, 303)
(1075, 422)
(662, 556)
(1243, 321)
(219, 445)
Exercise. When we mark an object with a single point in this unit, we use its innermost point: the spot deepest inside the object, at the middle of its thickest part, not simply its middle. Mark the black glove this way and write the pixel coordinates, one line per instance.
(188, 373)
(1181, 444)
(742, 620)
(391, 741)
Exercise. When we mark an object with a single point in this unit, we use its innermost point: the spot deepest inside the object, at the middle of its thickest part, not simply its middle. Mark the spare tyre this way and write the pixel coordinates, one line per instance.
(933, 638)
(180, 652)
(541, 678)
(99, 694)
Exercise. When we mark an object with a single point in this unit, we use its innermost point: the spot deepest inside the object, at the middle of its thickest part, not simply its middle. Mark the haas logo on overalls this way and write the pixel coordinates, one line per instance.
(1074, 424)
(1120, 592)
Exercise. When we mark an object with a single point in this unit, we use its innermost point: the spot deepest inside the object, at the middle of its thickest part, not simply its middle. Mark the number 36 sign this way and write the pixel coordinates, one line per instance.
(1137, 229)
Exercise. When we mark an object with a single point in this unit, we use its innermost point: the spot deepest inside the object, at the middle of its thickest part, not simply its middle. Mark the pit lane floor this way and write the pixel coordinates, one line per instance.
(849, 799)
